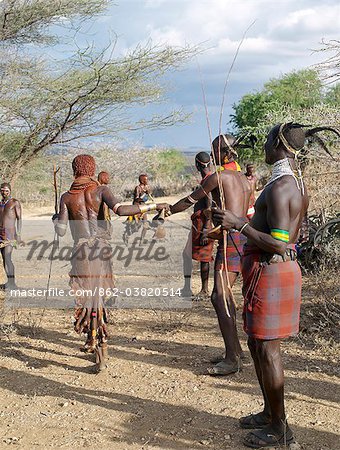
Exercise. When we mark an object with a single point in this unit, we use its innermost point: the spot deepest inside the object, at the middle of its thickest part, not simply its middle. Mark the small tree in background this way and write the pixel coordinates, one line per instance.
(296, 96)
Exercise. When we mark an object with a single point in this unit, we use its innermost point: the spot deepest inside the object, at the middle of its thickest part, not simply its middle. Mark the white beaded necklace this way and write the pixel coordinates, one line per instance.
(280, 169)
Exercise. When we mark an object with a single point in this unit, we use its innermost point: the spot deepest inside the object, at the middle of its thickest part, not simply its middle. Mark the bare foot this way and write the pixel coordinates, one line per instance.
(202, 295)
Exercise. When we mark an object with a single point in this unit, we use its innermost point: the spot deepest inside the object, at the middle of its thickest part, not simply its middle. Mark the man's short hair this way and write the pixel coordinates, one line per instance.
(142, 175)
(293, 133)
(84, 165)
(203, 159)
(102, 176)
(5, 185)
(226, 144)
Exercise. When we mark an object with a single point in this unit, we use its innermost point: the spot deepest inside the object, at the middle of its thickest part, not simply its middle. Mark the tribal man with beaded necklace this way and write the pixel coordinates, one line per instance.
(272, 277)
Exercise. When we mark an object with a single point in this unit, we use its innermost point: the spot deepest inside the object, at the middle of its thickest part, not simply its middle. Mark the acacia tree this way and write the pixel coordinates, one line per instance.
(26, 21)
(87, 95)
(330, 68)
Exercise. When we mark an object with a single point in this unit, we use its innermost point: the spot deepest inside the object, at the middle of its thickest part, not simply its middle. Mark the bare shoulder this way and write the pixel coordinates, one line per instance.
(234, 178)
(284, 186)
(14, 203)
(243, 178)
(105, 192)
(103, 189)
(228, 176)
(210, 180)
(64, 197)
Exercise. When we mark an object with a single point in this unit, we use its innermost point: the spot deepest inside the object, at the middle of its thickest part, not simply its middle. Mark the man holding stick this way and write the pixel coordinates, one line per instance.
(272, 277)
(233, 186)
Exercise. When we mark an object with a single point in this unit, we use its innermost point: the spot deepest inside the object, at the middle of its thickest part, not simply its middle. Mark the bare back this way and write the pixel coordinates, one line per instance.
(84, 209)
(236, 192)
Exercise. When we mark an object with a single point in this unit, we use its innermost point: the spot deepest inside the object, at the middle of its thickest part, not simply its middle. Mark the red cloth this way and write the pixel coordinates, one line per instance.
(250, 212)
(272, 296)
(202, 253)
(235, 243)
(233, 165)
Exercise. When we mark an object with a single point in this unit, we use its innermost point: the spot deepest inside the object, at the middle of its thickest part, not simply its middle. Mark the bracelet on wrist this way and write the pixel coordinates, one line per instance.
(147, 208)
(243, 227)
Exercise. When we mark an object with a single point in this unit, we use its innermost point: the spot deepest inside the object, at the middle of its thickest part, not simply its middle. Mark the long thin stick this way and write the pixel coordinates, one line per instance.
(220, 188)
(225, 233)
(229, 73)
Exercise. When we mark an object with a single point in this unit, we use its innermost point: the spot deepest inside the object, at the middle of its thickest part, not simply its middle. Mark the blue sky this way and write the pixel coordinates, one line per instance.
(282, 39)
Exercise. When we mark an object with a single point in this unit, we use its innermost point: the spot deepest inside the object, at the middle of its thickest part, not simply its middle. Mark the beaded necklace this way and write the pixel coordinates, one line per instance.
(280, 169)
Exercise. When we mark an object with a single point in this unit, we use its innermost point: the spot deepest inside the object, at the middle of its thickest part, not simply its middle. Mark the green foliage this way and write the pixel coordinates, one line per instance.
(301, 89)
(10, 145)
(250, 110)
(296, 96)
(24, 21)
(332, 96)
(170, 163)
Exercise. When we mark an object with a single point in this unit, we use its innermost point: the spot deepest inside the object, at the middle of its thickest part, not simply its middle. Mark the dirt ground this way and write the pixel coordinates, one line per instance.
(156, 393)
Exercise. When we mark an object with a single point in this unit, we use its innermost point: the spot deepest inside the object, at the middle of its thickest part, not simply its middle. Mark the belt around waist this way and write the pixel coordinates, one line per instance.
(269, 258)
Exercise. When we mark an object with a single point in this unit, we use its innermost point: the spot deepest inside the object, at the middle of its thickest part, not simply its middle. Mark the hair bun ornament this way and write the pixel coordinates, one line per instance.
(230, 147)
(309, 134)
(312, 134)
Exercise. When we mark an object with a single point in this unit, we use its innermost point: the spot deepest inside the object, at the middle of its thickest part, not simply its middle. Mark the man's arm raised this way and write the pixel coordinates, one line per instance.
(278, 220)
(207, 186)
(129, 210)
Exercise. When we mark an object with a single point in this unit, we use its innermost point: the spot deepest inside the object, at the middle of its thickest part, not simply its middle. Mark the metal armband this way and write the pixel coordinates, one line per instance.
(191, 200)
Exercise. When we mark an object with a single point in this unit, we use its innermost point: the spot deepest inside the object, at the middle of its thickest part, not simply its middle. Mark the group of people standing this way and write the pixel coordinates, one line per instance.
(259, 243)
(255, 239)
(260, 246)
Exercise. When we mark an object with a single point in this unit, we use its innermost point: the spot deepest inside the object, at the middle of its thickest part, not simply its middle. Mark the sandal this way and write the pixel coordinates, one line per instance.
(225, 368)
(263, 438)
(254, 421)
(218, 359)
